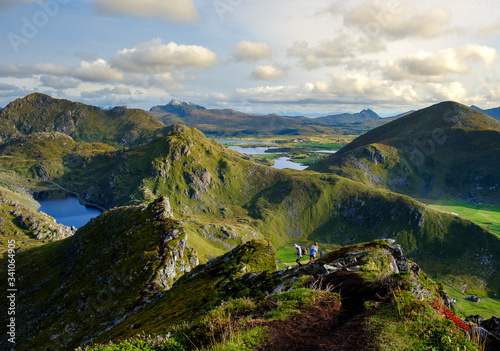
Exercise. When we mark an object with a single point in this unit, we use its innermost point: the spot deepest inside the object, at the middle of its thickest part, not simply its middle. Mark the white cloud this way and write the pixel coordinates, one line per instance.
(179, 11)
(251, 51)
(395, 20)
(268, 73)
(339, 88)
(454, 91)
(154, 56)
(23, 71)
(106, 92)
(489, 29)
(58, 83)
(327, 53)
(438, 65)
(97, 71)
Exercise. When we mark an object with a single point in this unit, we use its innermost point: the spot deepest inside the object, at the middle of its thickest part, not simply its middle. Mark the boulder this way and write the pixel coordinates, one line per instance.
(327, 269)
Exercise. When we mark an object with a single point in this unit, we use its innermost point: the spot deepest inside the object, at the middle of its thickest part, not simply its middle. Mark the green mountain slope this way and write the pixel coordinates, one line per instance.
(19, 220)
(226, 200)
(41, 113)
(110, 282)
(45, 156)
(445, 149)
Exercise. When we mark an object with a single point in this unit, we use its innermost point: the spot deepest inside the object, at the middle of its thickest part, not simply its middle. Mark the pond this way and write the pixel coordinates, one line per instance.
(279, 163)
(65, 208)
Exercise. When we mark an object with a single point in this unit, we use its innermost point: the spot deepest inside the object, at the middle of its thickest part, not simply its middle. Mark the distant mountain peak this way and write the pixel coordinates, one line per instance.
(178, 107)
(492, 112)
(178, 103)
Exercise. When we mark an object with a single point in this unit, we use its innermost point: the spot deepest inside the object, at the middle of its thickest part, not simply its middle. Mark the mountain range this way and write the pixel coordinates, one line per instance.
(492, 112)
(175, 198)
(230, 122)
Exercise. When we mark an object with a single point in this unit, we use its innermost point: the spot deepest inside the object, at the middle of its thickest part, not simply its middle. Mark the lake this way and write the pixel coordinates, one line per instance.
(67, 210)
(279, 163)
(230, 141)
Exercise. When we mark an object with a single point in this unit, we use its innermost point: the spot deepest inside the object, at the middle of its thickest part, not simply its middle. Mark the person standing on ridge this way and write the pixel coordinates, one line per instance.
(313, 252)
(299, 254)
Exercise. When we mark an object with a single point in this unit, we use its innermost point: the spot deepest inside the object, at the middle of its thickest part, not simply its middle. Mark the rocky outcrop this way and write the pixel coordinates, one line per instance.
(18, 218)
(175, 256)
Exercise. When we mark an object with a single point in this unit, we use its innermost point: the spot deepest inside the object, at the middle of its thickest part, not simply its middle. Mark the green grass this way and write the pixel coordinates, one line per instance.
(286, 256)
(487, 307)
(487, 216)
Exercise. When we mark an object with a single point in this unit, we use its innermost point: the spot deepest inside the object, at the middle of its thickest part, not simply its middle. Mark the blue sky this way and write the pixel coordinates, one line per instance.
(273, 56)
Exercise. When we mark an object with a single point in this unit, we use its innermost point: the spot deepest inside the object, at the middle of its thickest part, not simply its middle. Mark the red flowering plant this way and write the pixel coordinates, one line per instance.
(442, 309)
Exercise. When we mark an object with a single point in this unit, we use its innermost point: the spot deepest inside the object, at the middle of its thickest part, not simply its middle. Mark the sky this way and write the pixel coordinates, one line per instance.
(288, 57)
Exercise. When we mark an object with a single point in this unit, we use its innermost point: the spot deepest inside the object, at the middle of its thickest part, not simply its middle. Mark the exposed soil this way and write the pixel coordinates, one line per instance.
(329, 324)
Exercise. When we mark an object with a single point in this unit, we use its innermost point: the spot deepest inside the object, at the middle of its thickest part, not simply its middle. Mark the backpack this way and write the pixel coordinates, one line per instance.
(305, 252)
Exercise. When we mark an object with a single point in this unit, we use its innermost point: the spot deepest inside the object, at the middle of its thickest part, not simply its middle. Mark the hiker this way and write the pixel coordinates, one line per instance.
(299, 254)
(313, 252)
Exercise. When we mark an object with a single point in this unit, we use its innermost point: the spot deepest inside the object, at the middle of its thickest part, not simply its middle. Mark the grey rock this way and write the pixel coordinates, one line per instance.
(327, 269)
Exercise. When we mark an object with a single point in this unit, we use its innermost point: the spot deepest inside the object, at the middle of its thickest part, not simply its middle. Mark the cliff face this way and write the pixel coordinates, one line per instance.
(20, 221)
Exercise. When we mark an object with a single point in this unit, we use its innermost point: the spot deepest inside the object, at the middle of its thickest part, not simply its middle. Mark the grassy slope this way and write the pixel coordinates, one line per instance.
(41, 113)
(20, 221)
(447, 148)
(226, 200)
(96, 277)
(47, 155)
(398, 321)
(486, 215)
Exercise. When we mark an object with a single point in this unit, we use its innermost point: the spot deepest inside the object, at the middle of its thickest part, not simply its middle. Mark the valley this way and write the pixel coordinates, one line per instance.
(190, 222)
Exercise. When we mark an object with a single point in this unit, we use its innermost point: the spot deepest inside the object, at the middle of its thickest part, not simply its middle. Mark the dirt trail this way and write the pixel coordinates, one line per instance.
(326, 325)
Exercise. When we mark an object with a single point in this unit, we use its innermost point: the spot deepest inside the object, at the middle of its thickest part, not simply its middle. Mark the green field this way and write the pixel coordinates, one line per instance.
(486, 215)
(487, 307)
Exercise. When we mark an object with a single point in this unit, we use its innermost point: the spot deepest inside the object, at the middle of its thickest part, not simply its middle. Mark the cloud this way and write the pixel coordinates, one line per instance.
(24, 71)
(268, 73)
(97, 71)
(339, 88)
(454, 91)
(154, 56)
(178, 11)
(327, 53)
(106, 92)
(9, 90)
(438, 65)
(394, 20)
(489, 29)
(250, 51)
(58, 83)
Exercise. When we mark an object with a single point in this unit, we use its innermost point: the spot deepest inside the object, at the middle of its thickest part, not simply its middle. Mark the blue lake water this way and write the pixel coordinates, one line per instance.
(260, 150)
(68, 211)
(279, 163)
